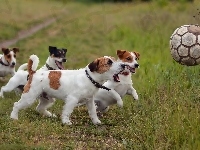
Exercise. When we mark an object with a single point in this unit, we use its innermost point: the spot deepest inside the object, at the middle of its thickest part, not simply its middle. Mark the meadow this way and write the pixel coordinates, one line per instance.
(167, 115)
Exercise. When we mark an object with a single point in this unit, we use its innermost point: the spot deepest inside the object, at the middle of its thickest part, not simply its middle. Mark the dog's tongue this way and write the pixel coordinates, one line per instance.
(60, 66)
(116, 78)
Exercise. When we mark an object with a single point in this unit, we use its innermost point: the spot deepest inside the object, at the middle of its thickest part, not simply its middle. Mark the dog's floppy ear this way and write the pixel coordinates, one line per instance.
(93, 66)
(5, 51)
(15, 49)
(137, 55)
(120, 53)
(64, 49)
(52, 49)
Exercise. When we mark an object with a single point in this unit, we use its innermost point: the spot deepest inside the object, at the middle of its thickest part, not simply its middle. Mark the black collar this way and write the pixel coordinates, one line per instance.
(96, 83)
(49, 68)
(1, 62)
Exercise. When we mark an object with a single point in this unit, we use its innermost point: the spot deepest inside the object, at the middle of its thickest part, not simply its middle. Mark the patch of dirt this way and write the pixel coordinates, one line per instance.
(26, 33)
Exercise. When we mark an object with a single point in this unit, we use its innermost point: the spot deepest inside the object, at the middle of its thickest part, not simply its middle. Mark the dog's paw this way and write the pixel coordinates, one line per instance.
(67, 123)
(1, 95)
(96, 121)
(120, 103)
(135, 96)
(14, 116)
(54, 115)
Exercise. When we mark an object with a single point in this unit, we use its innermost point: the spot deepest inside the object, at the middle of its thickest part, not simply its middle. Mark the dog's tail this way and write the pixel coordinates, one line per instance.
(22, 67)
(32, 64)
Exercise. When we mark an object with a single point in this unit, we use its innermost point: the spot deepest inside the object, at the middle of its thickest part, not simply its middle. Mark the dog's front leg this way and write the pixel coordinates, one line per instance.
(133, 92)
(68, 108)
(92, 111)
(116, 96)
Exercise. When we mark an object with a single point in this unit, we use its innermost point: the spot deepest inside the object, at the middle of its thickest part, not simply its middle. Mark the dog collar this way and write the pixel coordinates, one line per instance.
(96, 83)
(49, 68)
(1, 62)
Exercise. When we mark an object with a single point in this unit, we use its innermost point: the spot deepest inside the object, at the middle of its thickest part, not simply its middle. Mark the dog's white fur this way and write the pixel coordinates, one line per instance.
(104, 99)
(9, 67)
(20, 77)
(74, 87)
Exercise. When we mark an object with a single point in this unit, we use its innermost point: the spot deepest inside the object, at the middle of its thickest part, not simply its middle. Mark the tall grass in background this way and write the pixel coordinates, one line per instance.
(168, 111)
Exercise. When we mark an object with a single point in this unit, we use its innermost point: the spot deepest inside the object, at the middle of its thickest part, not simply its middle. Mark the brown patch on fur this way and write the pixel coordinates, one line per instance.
(54, 77)
(15, 50)
(194, 29)
(137, 55)
(31, 72)
(125, 56)
(103, 65)
(8, 57)
(5, 51)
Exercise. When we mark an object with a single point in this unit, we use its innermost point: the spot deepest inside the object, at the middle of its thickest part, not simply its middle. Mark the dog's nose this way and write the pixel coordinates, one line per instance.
(64, 60)
(123, 66)
(13, 63)
(136, 65)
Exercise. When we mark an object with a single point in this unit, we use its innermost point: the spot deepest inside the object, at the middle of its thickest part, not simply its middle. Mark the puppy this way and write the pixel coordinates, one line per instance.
(104, 99)
(53, 62)
(8, 61)
(72, 86)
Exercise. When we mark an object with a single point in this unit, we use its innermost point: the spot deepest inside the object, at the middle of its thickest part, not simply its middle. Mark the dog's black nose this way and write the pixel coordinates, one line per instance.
(64, 60)
(136, 65)
(13, 63)
(123, 66)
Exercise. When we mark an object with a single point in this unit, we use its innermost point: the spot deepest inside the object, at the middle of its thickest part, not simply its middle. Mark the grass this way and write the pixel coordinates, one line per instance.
(167, 114)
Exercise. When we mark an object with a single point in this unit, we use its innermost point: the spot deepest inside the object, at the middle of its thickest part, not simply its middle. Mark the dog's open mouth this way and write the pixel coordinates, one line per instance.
(116, 78)
(59, 65)
(132, 70)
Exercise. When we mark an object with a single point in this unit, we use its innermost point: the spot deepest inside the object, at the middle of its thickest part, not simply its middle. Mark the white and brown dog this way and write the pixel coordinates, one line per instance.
(53, 62)
(8, 61)
(72, 86)
(104, 99)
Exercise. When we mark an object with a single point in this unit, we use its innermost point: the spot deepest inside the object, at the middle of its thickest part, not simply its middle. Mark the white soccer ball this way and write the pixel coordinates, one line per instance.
(185, 45)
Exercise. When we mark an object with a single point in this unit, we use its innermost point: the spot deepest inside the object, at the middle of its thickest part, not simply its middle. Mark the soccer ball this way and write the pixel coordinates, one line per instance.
(185, 45)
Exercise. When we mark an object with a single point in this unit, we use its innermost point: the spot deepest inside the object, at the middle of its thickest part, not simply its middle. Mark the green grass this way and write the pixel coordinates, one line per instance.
(167, 114)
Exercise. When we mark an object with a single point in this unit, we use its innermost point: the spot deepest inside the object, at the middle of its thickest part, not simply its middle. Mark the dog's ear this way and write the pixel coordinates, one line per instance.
(137, 55)
(64, 49)
(120, 53)
(15, 49)
(5, 51)
(52, 49)
(93, 66)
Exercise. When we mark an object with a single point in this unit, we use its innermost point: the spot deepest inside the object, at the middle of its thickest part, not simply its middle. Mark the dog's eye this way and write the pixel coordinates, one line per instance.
(15, 56)
(128, 58)
(136, 58)
(8, 56)
(109, 62)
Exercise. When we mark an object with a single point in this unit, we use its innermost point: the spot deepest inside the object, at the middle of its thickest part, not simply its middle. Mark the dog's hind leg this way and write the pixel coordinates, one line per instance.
(13, 83)
(26, 100)
(45, 102)
(92, 111)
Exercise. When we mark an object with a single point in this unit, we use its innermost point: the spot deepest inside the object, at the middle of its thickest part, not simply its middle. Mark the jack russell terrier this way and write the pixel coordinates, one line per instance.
(8, 61)
(53, 62)
(72, 86)
(103, 98)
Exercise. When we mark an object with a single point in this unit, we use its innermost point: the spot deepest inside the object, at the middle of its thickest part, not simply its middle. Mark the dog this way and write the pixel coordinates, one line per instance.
(103, 99)
(8, 61)
(72, 86)
(53, 62)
